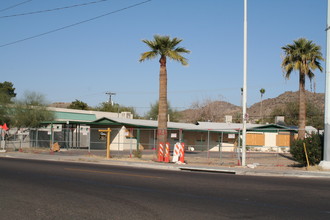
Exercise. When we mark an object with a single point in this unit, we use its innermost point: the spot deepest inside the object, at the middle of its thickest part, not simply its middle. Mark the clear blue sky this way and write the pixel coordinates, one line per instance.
(85, 61)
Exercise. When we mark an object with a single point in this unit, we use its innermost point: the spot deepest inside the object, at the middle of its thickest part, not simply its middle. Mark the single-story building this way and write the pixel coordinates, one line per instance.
(81, 129)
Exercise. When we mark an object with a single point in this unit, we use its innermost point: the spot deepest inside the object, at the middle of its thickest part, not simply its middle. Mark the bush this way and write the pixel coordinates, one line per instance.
(137, 153)
(314, 147)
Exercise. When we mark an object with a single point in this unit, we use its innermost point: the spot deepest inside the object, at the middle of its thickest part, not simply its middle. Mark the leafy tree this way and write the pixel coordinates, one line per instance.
(165, 47)
(238, 118)
(314, 115)
(4, 112)
(7, 92)
(108, 107)
(30, 111)
(303, 56)
(153, 112)
(80, 105)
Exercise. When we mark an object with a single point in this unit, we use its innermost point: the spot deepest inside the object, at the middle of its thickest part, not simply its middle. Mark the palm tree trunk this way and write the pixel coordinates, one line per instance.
(162, 108)
(302, 106)
(261, 115)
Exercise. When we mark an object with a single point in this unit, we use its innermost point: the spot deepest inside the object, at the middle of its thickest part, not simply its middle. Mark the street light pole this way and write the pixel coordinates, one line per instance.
(244, 86)
(326, 155)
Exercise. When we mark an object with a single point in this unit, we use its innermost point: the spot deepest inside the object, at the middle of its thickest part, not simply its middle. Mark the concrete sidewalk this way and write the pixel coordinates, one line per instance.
(85, 157)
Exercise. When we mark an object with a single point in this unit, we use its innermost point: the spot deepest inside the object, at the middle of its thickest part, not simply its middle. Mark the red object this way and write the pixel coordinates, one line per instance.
(167, 153)
(161, 152)
(182, 153)
(4, 127)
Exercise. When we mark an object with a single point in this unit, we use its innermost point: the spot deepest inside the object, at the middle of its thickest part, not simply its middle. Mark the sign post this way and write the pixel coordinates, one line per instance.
(108, 131)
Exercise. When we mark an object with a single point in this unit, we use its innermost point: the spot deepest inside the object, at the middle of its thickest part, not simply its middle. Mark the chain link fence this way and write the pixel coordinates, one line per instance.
(216, 146)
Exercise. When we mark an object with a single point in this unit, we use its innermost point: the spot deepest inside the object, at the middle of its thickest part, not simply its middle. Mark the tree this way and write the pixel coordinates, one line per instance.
(7, 92)
(165, 47)
(153, 112)
(262, 92)
(314, 115)
(77, 104)
(30, 111)
(303, 56)
(108, 107)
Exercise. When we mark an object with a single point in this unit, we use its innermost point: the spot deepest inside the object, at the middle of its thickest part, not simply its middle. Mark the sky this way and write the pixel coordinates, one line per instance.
(85, 51)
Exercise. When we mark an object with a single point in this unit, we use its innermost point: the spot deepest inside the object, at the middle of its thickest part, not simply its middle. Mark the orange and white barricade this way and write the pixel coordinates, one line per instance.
(161, 152)
(182, 153)
(167, 153)
(176, 152)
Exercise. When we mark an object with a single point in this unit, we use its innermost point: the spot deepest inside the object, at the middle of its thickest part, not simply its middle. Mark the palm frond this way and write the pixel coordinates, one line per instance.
(148, 55)
(165, 46)
(303, 56)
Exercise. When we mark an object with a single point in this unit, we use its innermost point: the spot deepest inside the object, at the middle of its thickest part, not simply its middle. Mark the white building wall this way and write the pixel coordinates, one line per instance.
(270, 139)
(121, 142)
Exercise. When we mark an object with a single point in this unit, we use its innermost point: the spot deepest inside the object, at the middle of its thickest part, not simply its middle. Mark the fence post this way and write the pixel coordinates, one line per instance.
(239, 147)
(131, 137)
(220, 145)
(118, 144)
(37, 137)
(51, 135)
(138, 139)
(90, 134)
(208, 143)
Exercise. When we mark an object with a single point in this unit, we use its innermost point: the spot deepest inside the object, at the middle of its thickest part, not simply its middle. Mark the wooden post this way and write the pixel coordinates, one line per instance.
(307, 160)
(108, 131)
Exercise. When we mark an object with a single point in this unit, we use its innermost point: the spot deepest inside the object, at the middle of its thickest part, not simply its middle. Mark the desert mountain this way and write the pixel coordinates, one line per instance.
(217, 110)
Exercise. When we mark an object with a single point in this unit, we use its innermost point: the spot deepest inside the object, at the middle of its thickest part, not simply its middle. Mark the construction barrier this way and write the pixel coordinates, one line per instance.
(182, 153)
(167, 153)
(176, 152)
(161, 152)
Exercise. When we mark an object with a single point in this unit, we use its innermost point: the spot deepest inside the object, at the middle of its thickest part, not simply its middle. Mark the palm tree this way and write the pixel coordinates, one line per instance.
(262, 92)
(303, 56)
(165, 47)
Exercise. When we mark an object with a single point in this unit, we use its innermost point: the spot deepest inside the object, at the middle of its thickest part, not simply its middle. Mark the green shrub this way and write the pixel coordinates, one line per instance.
(314, 147)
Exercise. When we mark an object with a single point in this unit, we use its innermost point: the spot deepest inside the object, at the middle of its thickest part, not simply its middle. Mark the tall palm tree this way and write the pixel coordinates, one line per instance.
(165, 47)
(303, 56)
(262, 92)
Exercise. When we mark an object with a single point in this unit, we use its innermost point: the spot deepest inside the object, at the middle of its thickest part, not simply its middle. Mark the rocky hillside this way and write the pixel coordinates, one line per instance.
(216, 111)
(212, 111)
(268, 105)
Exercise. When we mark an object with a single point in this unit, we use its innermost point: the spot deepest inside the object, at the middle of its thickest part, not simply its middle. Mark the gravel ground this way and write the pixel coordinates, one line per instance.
(257, 160)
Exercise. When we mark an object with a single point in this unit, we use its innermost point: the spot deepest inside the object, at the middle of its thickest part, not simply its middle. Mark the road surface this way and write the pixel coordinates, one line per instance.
(59, 190)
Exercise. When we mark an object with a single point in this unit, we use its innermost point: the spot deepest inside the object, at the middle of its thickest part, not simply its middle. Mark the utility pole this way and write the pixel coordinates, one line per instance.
(110, 95)
(245, 116)
(326, 155)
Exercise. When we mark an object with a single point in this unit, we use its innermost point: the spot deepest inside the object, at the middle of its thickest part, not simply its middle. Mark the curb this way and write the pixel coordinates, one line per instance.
(212, 170)
(175, 167)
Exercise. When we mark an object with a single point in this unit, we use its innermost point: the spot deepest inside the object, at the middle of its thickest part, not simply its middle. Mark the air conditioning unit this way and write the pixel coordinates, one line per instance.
(228, 118)
(126, 115)
(279, 120)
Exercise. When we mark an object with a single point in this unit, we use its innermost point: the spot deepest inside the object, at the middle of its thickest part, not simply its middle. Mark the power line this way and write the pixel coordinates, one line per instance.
(13, 6)
(75, 24)
(53, 9)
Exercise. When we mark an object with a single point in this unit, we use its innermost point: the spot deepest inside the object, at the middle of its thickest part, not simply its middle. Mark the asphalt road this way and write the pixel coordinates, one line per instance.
(58, 190)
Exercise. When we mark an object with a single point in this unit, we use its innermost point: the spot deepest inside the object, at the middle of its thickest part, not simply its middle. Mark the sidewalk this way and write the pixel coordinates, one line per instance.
(82, 156)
